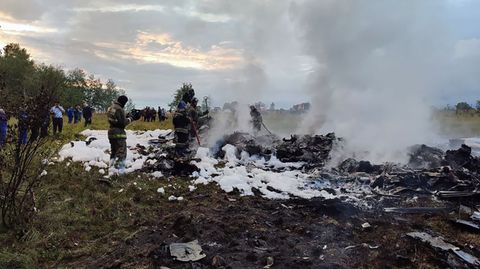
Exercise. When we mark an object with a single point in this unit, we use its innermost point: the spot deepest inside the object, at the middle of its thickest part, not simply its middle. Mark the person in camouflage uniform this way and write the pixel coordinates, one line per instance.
(117, 136)
(181, 123)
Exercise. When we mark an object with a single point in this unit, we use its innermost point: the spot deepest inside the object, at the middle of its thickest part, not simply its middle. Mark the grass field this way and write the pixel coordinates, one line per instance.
(452, 125)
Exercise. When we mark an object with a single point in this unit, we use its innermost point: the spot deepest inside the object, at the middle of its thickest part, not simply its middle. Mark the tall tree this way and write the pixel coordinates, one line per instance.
(16, 69)
(177, 97)
(76, 88)
(463, 107)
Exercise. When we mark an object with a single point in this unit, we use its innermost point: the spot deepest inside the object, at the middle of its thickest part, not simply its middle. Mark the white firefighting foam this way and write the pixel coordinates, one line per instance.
(236, 170)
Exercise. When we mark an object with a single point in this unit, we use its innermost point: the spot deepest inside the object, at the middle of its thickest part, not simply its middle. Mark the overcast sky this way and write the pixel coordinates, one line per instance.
(231, 49)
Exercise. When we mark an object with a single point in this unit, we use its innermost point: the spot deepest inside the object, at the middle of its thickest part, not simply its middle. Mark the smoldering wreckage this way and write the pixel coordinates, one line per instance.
(280, 206)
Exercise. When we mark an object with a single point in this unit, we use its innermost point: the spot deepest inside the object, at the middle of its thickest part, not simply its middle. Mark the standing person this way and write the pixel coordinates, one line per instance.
(181, 125)
(164, 114)
(45, 125)
(194, 117)
(145, 114)
(256, 119)
(87, 114)
(159, 111)
(3, 127)
(153, 114)
(23, 127)
(117, 136)
(70, 114)
(77, 114)
(57, 112)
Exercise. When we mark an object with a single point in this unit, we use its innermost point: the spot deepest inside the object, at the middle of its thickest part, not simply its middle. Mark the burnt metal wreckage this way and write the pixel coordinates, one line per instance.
(449, 181)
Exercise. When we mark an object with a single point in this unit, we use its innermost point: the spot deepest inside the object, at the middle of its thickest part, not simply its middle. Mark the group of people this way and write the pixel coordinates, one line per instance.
(38, 125)
(149, 114)
(75, 114)
(186, 122)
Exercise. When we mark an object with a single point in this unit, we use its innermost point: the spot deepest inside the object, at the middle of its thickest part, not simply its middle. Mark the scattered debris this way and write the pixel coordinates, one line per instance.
(218, 261)
(366, 225)
(313, 150)
(468, 224)
(419, 210)
(187, 252)
(269, 262)
(457, 194)
(425, 157)
(475, 216)
(439, 243)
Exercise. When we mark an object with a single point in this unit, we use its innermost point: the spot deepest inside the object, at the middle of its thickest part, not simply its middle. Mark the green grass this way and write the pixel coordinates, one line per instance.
(80, 216)
(463, 125)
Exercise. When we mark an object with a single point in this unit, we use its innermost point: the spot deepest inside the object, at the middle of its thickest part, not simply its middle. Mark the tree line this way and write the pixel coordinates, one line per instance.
(464, 108)
(22, 80)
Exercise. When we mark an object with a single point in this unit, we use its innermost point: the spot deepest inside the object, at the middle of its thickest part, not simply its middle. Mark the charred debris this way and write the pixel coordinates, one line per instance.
(432, 183)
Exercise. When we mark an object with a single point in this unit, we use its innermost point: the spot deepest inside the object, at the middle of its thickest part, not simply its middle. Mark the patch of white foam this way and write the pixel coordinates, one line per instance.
(97, 153)
(248, 172)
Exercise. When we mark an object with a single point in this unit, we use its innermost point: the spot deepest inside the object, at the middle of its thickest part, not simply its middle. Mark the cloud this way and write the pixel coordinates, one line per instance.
(23, 28)
(27, 10)
(162, 48)
(231, 49)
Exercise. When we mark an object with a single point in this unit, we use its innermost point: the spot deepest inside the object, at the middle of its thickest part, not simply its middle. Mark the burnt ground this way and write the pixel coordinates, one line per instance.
(243, 232)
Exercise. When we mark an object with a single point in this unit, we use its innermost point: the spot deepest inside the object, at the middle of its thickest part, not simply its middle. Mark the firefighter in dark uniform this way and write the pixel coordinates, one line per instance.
(117, 136)
(256, 119)
(195, 117)
(181, 123)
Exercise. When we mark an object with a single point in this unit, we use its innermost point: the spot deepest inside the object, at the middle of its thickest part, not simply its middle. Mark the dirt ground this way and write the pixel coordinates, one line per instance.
(250, 232)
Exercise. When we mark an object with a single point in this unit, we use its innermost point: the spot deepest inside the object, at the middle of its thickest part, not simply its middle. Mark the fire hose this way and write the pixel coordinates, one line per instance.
(195, 130)
(263, 124)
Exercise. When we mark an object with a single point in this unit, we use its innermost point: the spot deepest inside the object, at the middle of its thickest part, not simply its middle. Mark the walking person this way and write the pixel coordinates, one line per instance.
(57, 112)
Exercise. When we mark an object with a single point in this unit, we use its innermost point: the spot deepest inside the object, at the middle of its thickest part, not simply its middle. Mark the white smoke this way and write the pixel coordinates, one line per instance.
(378, 64)
(244, 91)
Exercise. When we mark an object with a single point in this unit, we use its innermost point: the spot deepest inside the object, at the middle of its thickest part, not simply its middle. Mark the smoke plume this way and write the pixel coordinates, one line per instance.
(378, 64)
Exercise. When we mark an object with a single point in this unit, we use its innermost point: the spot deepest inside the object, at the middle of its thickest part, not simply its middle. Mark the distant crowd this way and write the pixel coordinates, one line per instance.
(149, 114)
(55, 119)
(40, 128)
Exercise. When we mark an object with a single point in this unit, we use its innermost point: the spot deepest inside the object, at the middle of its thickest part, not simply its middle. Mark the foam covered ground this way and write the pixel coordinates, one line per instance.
(97, 153)
(273, 179)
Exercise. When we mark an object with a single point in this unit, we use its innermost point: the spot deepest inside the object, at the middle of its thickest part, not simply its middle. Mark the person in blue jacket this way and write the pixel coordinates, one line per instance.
(70, 114)
(3, 127)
